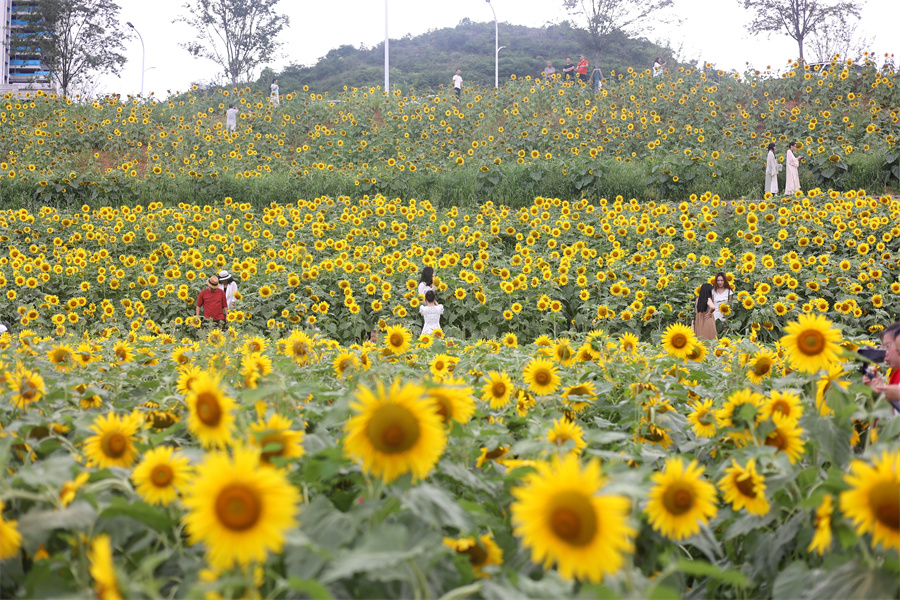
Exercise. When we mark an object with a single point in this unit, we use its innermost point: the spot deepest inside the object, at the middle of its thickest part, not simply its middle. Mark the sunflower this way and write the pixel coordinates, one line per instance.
(578, 397)
(482, 552)
(27, 386)
(496, 455)
(787, 404)
(276, 439)
(628, 342)
(678, 340)
(186, 377)
(113, 444)
(565, 431)
(873, 502)
(395, 431)
(61, 356)
(497, 389)
(122, 352)
(161, 475)
(210, 418)
(345, 362)
(237, 510)
(829, 380)
(563, 353)
(786, 437)
(541, 377)
(761, 366)
(733, 414)
(300, 347)
(681, 500)
(397, 339)
(812, 343)
(745, 488)
(453, 401)
(698, 353)
(440, 366)
(102, 569)
(70, 488)
(561, 515)
(703, 418)
(10, 538)
(822, 538)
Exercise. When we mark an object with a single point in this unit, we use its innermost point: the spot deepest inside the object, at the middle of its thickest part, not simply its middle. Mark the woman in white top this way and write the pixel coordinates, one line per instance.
(721, 294)
(431, 311)
(658, 67)
(274, 87)
(227, 285)
(426, 280)
(792, 174)
(772, 170)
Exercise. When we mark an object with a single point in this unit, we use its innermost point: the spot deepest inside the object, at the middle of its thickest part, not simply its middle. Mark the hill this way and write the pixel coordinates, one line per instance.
(429, 60)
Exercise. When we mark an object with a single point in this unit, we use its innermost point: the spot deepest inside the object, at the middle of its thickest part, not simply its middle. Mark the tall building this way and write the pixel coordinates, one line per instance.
(21, 70)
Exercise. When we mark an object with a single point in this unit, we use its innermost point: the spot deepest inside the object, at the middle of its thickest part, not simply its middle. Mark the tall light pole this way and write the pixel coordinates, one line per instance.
(387, 68)
(497, 47)
(143, 54)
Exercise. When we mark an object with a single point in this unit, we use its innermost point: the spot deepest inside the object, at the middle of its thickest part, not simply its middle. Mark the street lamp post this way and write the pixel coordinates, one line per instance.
(497, 47)
(143, 55)
(387, 69)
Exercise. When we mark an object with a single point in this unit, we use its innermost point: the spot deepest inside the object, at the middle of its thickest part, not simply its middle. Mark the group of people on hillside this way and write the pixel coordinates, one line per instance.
(570, 71)
(773, 168)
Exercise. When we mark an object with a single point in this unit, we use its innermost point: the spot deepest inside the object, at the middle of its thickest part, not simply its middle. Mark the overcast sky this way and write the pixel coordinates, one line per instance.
(712, 30)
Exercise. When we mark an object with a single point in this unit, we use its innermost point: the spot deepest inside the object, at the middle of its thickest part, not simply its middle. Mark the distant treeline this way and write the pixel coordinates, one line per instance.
(429, 60)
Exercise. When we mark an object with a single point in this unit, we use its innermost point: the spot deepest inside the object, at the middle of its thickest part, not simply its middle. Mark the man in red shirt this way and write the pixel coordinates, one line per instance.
(582, 68)
(214, 303)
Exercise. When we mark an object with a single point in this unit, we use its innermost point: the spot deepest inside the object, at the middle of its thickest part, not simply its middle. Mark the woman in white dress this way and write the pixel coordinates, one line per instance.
(426, 280)
(276, 99)
(431, 312)
(792, 174)
(772, 170)
(227, 285)
(721, 294)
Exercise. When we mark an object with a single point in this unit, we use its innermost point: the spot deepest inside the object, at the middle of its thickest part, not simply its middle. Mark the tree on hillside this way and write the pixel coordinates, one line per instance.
(799, 19)
(603, 20)
(840, 39)
(238, 35)
(73, 38)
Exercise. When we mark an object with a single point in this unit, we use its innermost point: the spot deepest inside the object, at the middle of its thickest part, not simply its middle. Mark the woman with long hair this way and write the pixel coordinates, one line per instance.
(772, 170)
(792, 176)
(721, 294)
(704, 322)
(426, 280)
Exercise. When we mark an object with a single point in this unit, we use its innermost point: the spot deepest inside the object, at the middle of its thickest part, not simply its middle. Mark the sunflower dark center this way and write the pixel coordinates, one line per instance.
(573, 519)
(542, 377)
(444, 408)
(161, 475)
(678, 500)
(114, 444)
(679, 340)
(885, 504)
(238, 508)
(208, 409)
(270, 440)
(782, 407)
(762, 367)
(776, 440)
(811, 343)
(393, 429)
(746, 487)
(477, 555)
(498, 389)
(396, 340)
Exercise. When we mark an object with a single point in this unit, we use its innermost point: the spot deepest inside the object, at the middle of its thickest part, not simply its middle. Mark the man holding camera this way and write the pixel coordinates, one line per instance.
(890, 389)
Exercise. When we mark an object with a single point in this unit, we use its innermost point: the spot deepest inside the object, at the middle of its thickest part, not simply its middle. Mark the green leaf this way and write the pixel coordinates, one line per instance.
(701, 568)
(436, 507)
(312, 588)
(36, 525)
(462, 592)
(791, 582)
(139, 511)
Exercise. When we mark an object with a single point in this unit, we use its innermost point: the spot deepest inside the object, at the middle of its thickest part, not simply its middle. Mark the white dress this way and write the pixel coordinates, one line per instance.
(424, 287)
(792, 177)
(657, 69)
(275, 98)
(432, 316)
(772, 169)
(718, 299)
(229, 293)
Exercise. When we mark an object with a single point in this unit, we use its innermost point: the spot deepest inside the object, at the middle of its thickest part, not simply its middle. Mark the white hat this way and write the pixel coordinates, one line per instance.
(224, 274)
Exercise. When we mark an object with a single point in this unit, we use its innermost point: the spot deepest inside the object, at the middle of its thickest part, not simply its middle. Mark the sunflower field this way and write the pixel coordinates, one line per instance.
(661, 138)
(564, 434)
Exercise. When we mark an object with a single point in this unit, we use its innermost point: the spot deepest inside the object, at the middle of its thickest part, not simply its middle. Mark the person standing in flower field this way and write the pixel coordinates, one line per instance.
(569, 69)
(214, 303)
(792, 175)
(721, 294)
(431, 312)
(772, 170)
(276, 99)
(227, 285)
(457, 83)
(231, 117)
(426, 281)
(658, 67)
(550, 71)
(582, 68)
(704, 319)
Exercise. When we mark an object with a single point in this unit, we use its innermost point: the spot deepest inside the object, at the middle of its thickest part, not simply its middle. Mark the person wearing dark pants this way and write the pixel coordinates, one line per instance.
(214, 303)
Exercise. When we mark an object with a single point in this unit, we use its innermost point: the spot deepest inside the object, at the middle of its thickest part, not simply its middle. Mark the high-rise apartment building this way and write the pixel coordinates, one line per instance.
(21, 69)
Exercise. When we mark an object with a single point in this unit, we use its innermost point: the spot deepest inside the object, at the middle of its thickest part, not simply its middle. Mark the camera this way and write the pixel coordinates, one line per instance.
(871, 356)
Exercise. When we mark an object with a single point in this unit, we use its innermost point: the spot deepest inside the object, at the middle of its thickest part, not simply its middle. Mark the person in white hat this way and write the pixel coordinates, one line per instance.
(227, 285)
